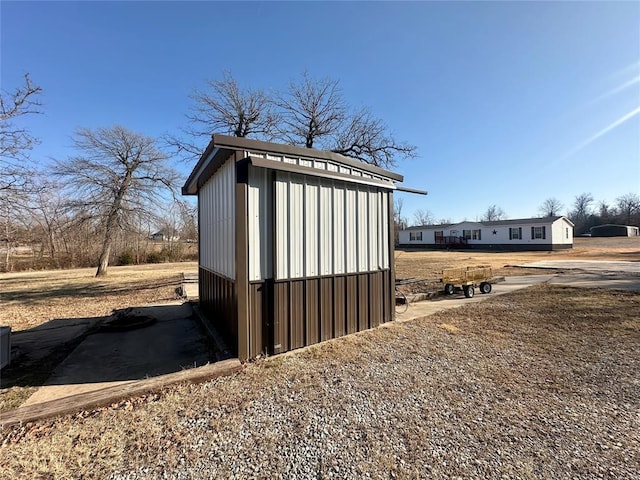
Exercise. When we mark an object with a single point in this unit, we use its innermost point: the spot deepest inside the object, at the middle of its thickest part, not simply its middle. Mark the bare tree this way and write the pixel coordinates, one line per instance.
(399, 221)
(628, 205)
(227, 108)
(493, 213)
(606, 212)
(581, 212)
(551, 207)
(188, 221)
(15, 140)
(314, 114)
(311, 110)
(367, 139)
(422, 217)
(118, 174)
(46, 210)
(581, 205)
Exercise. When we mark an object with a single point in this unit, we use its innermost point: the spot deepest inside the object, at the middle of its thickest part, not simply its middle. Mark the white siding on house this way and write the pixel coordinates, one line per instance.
(328, 227)
(562, 232)
(555, 233)
(216, 200)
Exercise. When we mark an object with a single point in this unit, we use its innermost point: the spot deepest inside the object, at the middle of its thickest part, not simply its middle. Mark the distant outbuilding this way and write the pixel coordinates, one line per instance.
(610, 230)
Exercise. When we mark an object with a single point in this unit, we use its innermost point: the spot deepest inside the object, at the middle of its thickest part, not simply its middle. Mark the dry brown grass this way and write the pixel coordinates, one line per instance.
(546, 377)
(428, 264)
(28, 299)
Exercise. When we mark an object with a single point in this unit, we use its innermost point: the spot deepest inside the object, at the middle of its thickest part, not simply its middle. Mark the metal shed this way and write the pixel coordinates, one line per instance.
(609, 230)
(296, 244)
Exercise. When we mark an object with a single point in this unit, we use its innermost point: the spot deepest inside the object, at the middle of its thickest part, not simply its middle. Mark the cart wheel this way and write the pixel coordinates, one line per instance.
(469, 291)
(402, 303)
(485, 287)
(448, 289)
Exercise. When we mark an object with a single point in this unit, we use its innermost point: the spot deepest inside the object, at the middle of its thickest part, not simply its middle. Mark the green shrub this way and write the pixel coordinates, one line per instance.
(126, 258)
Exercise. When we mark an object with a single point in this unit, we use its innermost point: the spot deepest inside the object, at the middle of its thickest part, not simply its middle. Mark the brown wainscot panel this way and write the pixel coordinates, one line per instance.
(301, 312)
(218, 301)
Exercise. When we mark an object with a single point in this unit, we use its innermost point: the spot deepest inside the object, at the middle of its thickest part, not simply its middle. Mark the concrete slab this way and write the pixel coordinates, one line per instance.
(441, 303)
(173, 343)
(586, 265)
(614, 281)
(30, 346)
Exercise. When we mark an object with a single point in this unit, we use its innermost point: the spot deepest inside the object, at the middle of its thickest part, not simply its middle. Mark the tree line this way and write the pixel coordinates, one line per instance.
(99, 205)
(585, 212)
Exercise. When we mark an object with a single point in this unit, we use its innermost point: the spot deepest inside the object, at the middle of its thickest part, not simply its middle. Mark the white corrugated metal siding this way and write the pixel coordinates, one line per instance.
(216, 200)
(326, 227)
(259, 224)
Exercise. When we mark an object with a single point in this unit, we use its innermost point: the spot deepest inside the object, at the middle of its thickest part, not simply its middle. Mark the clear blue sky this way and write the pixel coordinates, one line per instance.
(509, 103)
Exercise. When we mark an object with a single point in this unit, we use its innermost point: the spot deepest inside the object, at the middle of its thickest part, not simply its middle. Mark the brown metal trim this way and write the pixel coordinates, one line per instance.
(315, 172)
(209, 163)
(392, 258)
(336, 275)
(237, 143)
(242, 262)
(412, 190)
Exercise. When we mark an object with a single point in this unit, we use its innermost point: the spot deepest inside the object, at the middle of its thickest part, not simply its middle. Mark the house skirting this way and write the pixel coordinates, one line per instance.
(500, 247)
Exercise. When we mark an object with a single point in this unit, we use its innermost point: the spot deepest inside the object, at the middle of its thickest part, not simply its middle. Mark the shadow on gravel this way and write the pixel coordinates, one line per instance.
(90, 350)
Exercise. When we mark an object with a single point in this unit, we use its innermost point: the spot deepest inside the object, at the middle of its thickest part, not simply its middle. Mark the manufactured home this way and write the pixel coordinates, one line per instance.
(550, 233)
(296, 244)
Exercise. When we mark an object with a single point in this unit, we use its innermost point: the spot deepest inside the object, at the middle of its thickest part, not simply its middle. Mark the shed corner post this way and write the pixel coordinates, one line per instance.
(242, 260)
(392, 255)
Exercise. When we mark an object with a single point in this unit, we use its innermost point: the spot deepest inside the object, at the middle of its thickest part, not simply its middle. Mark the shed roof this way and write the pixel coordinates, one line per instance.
(515, 221)
(290, 158)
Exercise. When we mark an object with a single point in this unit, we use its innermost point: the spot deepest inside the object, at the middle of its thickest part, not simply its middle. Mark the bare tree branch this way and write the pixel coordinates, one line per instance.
(367, 139)
(15, 141)
(310, 111)
(551, 207)
(120, 174)
(493, 213)
(224, 107)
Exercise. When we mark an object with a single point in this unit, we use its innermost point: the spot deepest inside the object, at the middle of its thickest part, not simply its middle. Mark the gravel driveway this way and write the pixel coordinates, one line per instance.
(502, 389)
(541, 383)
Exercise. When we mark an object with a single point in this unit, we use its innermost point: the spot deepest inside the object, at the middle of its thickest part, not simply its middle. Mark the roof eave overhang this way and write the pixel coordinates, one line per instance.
(302, 170)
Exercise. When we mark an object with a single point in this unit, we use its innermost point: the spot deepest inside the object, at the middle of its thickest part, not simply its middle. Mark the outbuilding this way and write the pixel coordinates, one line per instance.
(609, 230)
(296, 244)
(549, 233)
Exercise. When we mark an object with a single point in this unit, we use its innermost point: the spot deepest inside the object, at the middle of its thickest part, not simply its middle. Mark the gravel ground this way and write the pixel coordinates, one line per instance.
(542, 383)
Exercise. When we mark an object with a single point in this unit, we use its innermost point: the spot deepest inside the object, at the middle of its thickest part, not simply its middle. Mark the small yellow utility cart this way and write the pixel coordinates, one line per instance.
(467, 279)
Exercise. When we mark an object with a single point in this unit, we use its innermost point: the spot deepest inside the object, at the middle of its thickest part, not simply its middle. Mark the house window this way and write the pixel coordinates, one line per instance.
(466, 234)
(475, 235)
(538, 233)
(415, 236)
(515, 233)
(566, 232)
